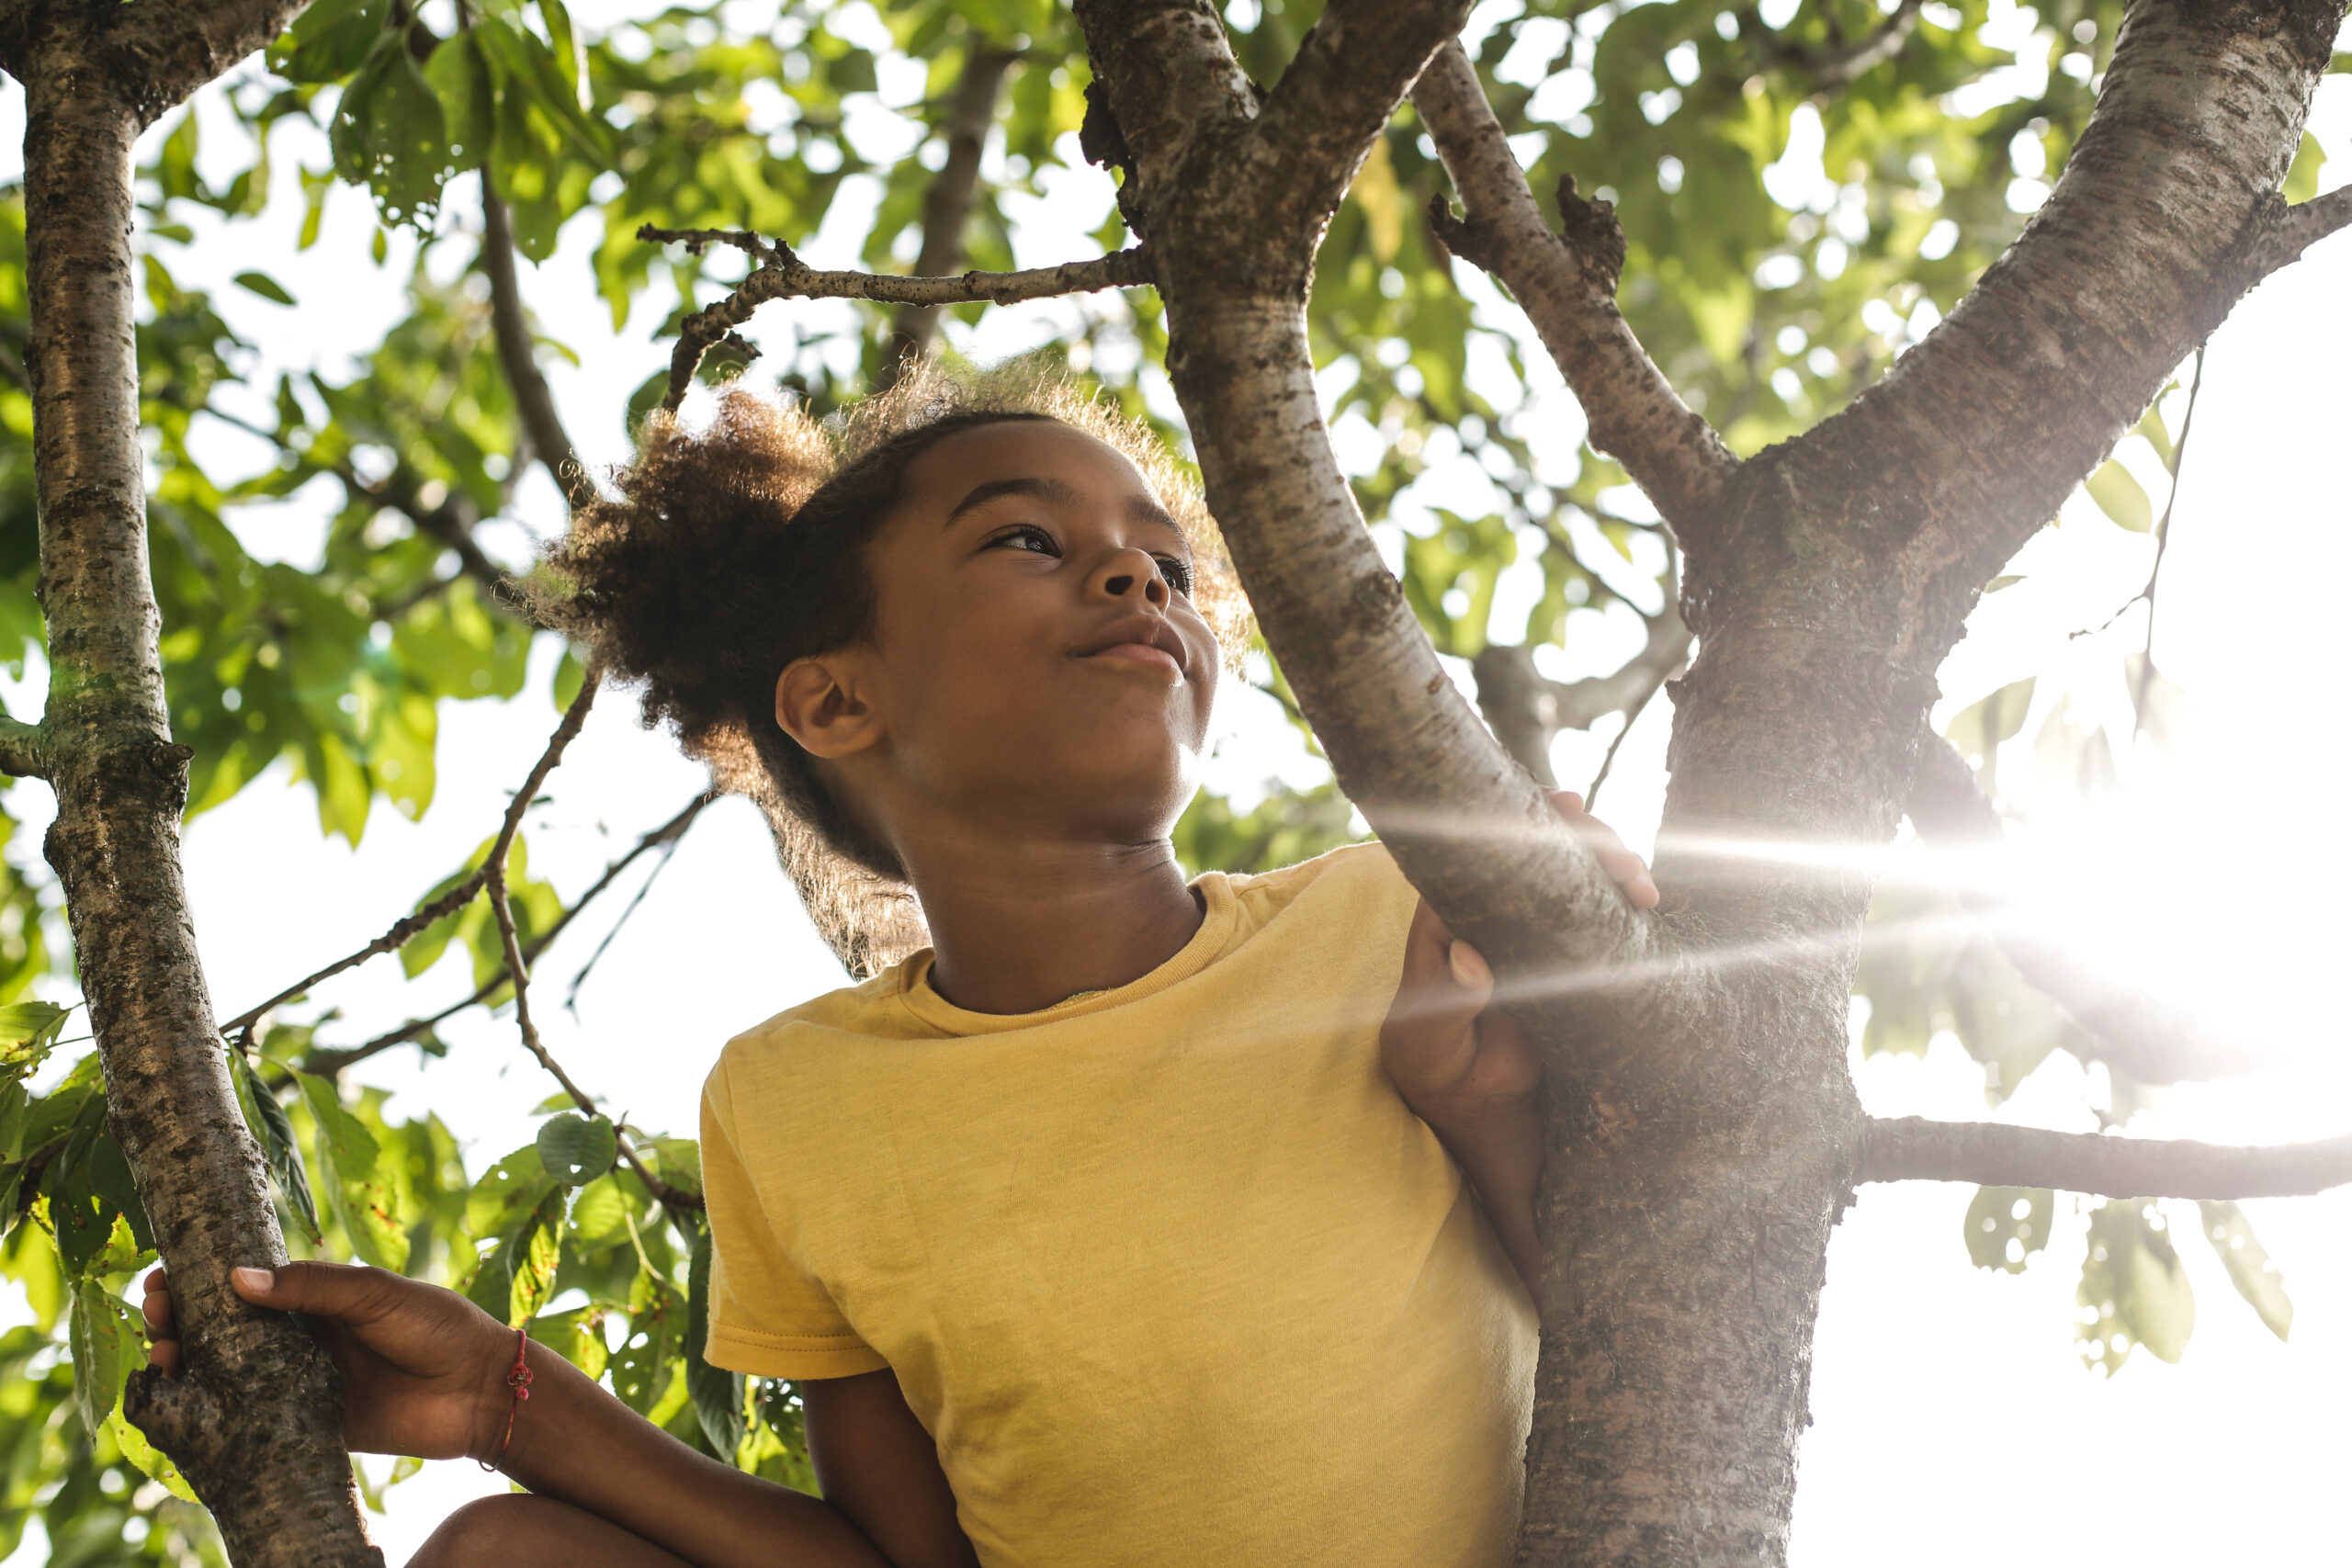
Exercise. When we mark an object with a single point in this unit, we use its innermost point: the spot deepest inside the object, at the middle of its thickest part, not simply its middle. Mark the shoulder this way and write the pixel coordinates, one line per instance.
(1357, 881)
(820, 1028)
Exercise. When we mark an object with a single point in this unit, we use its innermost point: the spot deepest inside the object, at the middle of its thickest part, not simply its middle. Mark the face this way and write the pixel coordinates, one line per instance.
(1037, 666)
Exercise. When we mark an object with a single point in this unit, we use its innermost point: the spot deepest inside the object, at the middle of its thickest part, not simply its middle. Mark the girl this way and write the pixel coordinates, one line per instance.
(1126, 1223)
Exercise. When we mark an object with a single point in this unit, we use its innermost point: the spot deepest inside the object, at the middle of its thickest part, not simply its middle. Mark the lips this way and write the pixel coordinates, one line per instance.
(1146, 639)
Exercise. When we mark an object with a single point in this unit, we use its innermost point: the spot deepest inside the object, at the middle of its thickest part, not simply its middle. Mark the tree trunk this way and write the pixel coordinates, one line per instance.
(1703, 1133)
(255, 1420)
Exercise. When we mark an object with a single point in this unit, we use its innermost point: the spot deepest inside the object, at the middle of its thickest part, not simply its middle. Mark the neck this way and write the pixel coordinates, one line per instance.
(1019, 925)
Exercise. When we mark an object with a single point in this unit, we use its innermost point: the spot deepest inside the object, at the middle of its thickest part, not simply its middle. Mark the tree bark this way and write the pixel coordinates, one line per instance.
(255, 1420)
(1703, 1133)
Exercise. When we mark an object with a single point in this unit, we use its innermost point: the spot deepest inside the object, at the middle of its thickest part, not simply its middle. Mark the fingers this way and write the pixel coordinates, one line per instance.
(162, 1334)
(342, 1290)
(1626, 868)
(1445, 984)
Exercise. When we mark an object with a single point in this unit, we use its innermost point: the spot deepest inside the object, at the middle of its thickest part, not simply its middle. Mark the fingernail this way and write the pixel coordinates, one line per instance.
(1469, 968)
(254, 1278)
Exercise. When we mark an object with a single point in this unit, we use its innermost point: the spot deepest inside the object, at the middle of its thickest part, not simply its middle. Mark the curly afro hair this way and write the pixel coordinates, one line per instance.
(733, 549)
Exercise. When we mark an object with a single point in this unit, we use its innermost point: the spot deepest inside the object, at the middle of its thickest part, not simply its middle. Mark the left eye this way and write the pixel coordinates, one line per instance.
(1032, 539)
(1178, 573)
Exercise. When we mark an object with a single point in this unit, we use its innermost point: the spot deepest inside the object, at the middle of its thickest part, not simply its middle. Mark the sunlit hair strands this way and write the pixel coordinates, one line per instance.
(736, 546)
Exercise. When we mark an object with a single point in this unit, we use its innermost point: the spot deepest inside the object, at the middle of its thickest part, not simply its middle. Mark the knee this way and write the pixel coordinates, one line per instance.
(488, 1531)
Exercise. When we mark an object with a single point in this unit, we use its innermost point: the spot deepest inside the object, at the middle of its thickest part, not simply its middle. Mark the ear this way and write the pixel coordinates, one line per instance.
(820, 703)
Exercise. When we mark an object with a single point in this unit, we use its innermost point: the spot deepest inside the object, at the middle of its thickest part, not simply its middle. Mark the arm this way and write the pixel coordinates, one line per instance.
(425, 1373)
(1465, 1068)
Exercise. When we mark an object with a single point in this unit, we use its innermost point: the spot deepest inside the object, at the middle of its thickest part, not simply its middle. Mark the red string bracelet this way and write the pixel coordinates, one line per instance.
(518, 1378)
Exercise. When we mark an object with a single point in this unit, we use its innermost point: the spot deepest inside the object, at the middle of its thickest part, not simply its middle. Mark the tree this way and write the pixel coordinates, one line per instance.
(1703, 1130)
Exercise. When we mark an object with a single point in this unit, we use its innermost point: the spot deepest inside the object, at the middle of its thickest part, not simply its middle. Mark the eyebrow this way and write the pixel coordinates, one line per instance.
(1060, 492)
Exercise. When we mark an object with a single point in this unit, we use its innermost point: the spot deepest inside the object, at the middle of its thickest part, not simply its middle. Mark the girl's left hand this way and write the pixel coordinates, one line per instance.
(1444, 1039)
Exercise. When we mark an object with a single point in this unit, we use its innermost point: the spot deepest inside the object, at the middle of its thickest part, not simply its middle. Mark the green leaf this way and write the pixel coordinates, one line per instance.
(29, 1031)
(718, 1395)
(152, 1460)
(90, 1189)
(274, 1130)
(504, 1198)
(2152, 430)
(389, 135)
(104, 1344)
(328, 40)
(642, 1367)
(460, 78)
(1998, 583)
(577, 1335)
(2250, 1267)
(2302, 177)
(577, 1149)
(2120, 496)
(2006, 1225)
(2133, 1290)
(1979, 728)
(570, 674)
(362, 1202)
(260, 283)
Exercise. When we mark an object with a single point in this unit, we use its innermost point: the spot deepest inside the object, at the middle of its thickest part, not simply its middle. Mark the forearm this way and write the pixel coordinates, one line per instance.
(1498, 1144)
(575, 1442)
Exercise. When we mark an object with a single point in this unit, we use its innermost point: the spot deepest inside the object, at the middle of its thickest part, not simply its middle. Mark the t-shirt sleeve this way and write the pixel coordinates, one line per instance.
(769, 1317)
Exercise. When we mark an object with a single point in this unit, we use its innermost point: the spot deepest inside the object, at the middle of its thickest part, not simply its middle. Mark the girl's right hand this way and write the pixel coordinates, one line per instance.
(423, 1368)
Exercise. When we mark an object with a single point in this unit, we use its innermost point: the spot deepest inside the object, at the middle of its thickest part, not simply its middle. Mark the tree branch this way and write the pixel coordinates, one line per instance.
(458, 898)
(2167, 213)
(520, 970)
(947, 205)
(24, 750)
(781, 275)
(331, 1062)
(1568, 285)
(1993, 1154)
(1526, 710)
(2131, 1031)
(2300, 227)
(1839, 65)
(162, 53)
(451, 522)
(511, 325)
(1352, 71)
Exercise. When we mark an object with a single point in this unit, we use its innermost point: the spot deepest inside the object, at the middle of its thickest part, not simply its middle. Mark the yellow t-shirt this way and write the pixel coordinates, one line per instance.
(1171, 1273)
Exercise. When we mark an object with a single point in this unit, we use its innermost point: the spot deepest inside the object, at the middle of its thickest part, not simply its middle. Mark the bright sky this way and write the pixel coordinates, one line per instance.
(1953, 1421)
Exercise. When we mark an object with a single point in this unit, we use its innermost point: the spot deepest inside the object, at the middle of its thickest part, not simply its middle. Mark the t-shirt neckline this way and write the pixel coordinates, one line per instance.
(1220, 911)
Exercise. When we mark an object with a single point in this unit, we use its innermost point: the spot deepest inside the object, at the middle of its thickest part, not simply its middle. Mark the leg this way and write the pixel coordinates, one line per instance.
(523, 1532)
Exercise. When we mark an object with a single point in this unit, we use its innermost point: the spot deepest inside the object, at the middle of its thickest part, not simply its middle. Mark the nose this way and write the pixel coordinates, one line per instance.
(1129, 572)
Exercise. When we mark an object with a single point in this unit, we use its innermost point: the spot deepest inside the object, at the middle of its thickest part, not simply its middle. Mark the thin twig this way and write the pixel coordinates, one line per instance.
(669, 1196)
(781, 275)
(670, 836)
(2164, 536)
(329, 1062)
(1632, 717)
(458, 898)
(1994, 1154)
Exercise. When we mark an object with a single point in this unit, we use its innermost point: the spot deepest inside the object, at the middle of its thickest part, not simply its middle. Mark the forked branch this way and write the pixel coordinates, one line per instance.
(781, 275)
(1568, 285)
(327, 1063)
(1993, 1154)
(518, 968)
(2149, 239)
(463, 894)
(1526, 709)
